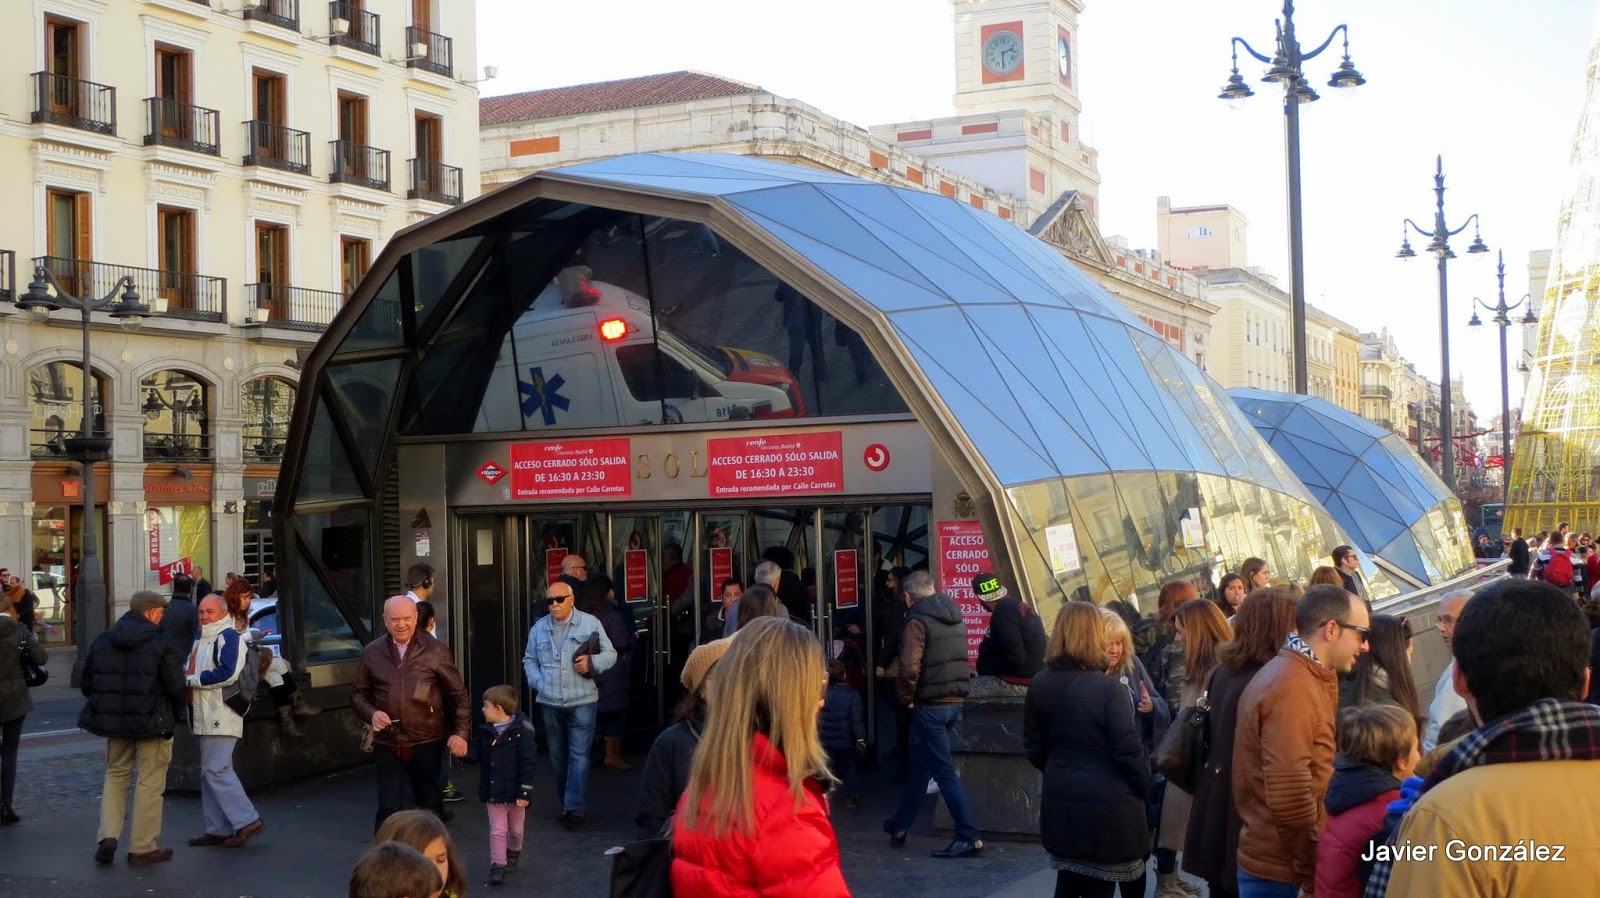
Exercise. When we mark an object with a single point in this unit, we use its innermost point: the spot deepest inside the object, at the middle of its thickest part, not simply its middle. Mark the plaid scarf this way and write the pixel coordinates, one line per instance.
(1547, 730)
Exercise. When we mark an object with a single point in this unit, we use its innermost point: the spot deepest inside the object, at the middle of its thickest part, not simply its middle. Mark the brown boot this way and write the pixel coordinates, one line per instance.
(286, 722)
(613, 759)
(301, 709)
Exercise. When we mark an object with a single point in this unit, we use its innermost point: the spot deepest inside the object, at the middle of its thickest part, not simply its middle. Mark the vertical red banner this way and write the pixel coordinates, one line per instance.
(552, 564)
(636, 575)
(962, 553)
(721, 569)
(155, 543)
(846, 579)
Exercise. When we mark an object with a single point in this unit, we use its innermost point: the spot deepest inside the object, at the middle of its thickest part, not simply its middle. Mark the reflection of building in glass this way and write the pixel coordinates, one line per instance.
(1100, 459)
(1555, 472)
(1369, 479)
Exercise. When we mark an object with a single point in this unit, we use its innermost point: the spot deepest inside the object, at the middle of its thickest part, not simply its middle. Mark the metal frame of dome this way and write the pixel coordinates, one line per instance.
(1369, 479)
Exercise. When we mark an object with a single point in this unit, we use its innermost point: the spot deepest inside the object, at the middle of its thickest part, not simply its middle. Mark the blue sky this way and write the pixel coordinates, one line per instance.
(1496, 89)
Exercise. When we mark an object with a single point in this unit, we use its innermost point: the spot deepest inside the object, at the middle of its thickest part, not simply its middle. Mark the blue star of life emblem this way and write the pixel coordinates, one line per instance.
(543, 396)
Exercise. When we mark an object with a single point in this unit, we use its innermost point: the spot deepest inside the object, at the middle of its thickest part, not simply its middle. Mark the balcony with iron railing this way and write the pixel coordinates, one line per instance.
(275, 146)
(434, 181)
(437, 56)
(1376, 390)
(74, 103)
(195, 297)
(169, 123)
(360, 28)
(282, 13)
(176, 446)
(8, 275)
(294, 308)
(355, 163)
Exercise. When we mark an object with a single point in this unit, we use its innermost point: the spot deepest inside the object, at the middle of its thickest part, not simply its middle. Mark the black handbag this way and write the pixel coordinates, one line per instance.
(33, 674)
(643, 869)
(1184, 745)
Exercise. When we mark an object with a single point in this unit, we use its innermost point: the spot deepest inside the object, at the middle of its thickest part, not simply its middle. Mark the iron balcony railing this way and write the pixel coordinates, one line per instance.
(282, 13)
(1376, 390)
(434, 181)
(8, 275)
(51, 442)
(196, 297)
(361, 29)
(438, 58)
(170, 123)
(355, 163)
(74, 103)
(176, 446)
(295, 308)
(275, 146)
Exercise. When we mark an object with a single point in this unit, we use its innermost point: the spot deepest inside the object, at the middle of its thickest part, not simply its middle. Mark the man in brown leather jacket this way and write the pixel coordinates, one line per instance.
(1284, 745)
(410, 692)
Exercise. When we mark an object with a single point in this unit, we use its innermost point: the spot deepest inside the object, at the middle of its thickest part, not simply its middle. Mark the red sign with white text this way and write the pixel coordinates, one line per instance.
(795, 464)
(846, 589)
(963, 553)
(155, 544)
(721, 569)
(169, 571)
(570, 469)
(552, 564)
(635, 575)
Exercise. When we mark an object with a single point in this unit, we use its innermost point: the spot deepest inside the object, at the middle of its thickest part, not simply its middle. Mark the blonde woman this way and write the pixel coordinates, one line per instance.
(754, 820)
(1080, 731)
(1125, 667)
(1200, 628)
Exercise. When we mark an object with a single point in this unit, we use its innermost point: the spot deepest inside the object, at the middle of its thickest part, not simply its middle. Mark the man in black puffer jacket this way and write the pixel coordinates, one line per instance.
(1013, 649)
(933, 685)
(133, 680)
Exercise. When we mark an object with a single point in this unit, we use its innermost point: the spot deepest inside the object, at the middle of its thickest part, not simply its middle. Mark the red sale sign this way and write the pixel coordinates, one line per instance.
(155, 544)
(635, 575)
(570, 469)
(846, 588)
(721, 569)
(552, 564)
(796, 464)
(167, 571)
(963, 553)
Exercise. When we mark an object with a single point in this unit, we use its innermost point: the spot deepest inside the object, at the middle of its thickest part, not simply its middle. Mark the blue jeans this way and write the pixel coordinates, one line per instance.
(570, 732)
(930, 758)
(1251, 887)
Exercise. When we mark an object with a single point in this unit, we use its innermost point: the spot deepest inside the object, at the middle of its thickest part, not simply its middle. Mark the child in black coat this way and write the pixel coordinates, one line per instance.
(505, 747)
(842, 728)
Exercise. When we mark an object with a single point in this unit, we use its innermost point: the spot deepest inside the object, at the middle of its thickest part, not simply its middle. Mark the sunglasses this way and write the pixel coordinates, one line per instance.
(1366, 632)
(556, 600)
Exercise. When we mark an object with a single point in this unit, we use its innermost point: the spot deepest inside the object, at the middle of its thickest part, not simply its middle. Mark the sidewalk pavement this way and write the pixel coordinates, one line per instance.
(317, 828)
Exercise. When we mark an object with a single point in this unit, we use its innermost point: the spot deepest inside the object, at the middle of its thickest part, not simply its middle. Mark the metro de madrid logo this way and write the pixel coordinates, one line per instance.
(543, 396)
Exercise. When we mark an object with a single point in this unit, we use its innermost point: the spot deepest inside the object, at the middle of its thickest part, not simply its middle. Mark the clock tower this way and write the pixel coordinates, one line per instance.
(1018, 54)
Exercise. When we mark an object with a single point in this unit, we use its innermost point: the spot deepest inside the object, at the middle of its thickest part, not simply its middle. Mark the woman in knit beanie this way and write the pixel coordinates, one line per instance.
(666, 770)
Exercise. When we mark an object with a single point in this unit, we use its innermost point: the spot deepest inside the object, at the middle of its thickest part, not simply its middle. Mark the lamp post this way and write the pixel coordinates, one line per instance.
(1440, 248)
(1502, 317)
(89, 594)
(1285, 68)
(182, 411)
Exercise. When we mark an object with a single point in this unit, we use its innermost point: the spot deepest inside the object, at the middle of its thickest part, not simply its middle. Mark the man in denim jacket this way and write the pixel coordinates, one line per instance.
(566, 648)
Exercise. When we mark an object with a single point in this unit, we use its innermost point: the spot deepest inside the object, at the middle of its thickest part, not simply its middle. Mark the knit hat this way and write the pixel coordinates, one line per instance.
(987, 588)
(700, 661)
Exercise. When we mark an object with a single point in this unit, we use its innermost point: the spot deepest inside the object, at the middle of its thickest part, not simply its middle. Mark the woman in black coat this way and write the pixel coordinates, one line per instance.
(1211, 844)
(599, 599)
(15, 703)
(1079, 730)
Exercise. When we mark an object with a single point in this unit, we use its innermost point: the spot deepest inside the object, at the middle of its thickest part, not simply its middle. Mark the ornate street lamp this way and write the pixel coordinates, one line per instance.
(89, 594)
(1439, 248)
(1502, 317)
(1286, 69)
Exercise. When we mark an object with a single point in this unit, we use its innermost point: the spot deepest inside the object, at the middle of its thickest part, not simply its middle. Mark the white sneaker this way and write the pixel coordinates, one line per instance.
(933, 787)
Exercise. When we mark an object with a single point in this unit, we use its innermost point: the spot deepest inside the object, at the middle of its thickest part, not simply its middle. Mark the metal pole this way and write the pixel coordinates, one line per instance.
(1297, 271)
(89, 595)
(1447, 461)
(1505, 409)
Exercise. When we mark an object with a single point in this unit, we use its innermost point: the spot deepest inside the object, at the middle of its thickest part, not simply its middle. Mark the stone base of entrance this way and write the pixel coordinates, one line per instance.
(265, 756)
(1002, 786)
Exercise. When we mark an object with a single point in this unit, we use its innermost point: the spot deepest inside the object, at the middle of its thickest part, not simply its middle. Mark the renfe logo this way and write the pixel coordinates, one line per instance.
(876, 458)
(491, 472)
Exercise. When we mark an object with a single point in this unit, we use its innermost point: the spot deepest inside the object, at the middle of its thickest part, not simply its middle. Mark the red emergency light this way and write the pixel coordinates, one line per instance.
(613, 329)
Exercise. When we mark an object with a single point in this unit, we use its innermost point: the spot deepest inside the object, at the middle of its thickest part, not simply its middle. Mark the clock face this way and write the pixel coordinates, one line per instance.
(1002, 53)
(1064, 56)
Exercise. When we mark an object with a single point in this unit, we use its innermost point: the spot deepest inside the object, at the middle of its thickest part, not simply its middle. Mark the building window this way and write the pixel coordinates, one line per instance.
(266, 404)
(177, 424)
(175, 248)
(56, 403)
(1199, 231)
(67, 227)
(355, 256)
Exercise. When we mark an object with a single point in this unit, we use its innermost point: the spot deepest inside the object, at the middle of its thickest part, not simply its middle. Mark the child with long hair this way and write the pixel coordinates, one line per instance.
(426, 833)
(754, 820)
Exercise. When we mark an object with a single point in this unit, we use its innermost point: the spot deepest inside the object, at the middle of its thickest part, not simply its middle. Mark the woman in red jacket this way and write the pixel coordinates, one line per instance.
(754, 821)
(1377, 751)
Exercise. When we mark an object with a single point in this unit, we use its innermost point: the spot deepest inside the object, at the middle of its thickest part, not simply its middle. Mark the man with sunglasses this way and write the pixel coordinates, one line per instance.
(1284, 744)
(566, 648)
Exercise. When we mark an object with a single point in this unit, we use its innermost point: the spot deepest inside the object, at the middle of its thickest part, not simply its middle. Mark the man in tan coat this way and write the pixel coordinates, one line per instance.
(1284, 745)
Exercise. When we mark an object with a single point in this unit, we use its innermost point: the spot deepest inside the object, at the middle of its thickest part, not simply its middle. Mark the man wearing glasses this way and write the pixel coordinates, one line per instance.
(574, 570)
(566, 648)
(1284, 745)
(1349, 567)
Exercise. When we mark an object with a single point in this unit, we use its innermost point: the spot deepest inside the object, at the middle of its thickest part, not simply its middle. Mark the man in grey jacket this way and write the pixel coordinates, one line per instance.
(566, 648)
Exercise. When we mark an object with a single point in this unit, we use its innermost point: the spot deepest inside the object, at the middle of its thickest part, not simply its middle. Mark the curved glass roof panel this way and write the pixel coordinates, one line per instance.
(1379, 490)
